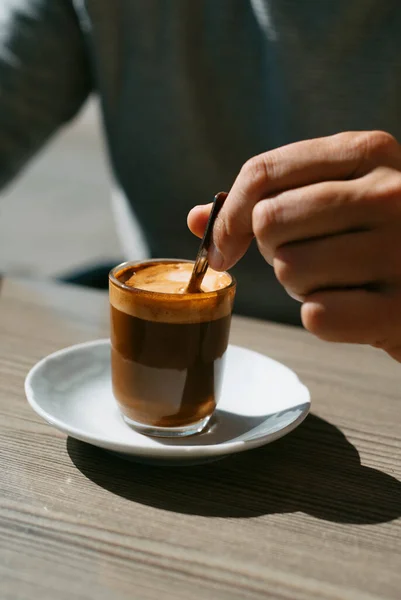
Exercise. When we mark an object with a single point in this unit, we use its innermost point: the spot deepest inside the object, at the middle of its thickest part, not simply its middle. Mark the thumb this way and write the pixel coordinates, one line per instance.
(197, 219)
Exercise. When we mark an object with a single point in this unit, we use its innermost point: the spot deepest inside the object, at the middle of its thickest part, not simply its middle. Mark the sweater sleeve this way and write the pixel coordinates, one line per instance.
(44, 76)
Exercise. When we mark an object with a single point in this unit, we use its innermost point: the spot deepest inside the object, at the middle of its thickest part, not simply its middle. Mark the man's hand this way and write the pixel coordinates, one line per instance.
(326, 213)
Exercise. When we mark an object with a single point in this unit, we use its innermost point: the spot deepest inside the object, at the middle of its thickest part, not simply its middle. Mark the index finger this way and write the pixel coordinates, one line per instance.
(341, 156)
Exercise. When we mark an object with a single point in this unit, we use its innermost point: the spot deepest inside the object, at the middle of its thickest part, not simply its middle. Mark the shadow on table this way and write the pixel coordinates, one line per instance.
(314, 470)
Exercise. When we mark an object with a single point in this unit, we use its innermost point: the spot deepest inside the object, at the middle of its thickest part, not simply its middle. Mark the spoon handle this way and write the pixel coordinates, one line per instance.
(201, 262)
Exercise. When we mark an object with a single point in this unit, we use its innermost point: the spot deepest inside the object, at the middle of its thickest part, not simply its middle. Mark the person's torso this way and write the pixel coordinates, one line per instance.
(191, 89)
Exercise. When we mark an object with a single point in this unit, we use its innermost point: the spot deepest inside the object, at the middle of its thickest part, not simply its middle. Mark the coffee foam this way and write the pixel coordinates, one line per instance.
(174, 278)
(156, 292)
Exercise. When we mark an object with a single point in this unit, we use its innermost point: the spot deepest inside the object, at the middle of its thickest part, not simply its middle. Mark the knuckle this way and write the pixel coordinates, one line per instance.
(390, 194)
(382, 195)
(376, 144)
(260, 169)
(381, 140)
(390, 187)
(254, 172)
(366, 146)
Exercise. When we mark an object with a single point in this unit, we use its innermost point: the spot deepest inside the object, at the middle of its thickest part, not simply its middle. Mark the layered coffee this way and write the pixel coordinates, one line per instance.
(168, 346)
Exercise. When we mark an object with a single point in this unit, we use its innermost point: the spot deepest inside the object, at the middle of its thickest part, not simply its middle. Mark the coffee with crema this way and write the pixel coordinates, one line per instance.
(168, 346)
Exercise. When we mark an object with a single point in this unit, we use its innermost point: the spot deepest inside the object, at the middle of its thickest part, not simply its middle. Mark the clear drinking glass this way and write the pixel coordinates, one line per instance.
(167, 352)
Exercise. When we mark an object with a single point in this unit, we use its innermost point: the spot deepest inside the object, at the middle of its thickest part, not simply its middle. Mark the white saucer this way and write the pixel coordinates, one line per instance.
(262, 400)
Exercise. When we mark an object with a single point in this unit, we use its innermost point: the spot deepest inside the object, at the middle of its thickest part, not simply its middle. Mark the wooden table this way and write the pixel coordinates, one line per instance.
(315, 515)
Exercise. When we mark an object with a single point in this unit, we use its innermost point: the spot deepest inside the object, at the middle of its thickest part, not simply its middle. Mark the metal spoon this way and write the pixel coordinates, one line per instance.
(201, 262)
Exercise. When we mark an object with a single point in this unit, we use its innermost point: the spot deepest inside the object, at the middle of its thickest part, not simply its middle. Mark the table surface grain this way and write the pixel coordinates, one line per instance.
(315, 515)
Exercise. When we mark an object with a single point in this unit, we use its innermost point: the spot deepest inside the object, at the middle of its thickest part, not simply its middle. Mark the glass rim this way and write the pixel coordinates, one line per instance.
(135, 290)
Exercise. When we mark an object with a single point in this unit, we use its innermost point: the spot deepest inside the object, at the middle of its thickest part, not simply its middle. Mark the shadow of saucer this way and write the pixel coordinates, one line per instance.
(314, 470)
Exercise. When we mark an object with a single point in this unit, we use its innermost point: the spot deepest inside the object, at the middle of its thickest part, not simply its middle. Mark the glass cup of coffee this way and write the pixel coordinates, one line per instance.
(168, 346)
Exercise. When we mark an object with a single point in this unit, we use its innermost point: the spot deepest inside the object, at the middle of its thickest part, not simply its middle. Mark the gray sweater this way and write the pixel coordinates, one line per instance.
(190, 89)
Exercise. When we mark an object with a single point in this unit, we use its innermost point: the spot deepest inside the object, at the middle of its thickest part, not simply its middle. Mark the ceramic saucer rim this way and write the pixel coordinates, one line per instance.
(161, 451)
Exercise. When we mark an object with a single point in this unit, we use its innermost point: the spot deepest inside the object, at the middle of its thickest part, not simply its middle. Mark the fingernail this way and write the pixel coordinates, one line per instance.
(215, 258)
